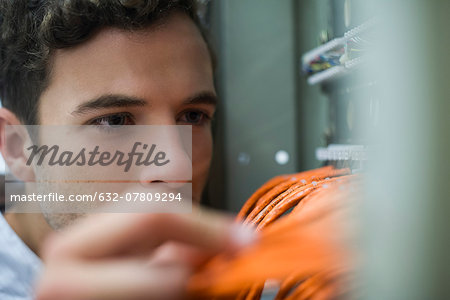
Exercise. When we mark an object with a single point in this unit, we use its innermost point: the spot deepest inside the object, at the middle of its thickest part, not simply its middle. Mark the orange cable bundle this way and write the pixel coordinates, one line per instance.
(307, 250)
(278, 186)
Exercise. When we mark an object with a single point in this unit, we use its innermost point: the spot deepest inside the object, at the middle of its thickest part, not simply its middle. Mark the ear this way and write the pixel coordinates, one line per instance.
(12, 144)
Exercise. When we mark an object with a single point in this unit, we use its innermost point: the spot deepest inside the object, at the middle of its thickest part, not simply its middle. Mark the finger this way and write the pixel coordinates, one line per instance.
(112, 280)
(116, 234)
(176, 253)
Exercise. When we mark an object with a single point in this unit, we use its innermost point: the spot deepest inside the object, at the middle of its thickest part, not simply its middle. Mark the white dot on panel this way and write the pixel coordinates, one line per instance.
(282, 157)
(243, 158)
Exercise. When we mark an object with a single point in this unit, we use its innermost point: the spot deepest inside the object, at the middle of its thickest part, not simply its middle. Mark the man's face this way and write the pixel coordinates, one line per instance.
(161, 75)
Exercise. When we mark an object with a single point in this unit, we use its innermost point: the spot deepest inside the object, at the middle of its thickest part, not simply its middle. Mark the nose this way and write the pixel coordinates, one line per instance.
(175, 148)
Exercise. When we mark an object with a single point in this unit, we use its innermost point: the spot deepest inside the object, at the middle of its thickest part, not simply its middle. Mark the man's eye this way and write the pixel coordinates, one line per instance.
(113, 120)
(195, 117)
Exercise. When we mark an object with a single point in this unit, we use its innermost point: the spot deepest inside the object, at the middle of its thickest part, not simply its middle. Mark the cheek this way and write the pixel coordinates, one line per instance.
(201, 156)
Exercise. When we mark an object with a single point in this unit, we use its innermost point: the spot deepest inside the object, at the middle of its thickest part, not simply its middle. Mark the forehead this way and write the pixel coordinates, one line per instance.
(169, 58)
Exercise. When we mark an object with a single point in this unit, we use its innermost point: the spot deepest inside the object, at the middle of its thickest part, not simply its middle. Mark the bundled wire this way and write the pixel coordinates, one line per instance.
(303, 226)
(325, 61)
(352, 48)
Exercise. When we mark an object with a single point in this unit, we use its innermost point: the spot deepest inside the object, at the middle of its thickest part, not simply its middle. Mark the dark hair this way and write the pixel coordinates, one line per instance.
(31, 29)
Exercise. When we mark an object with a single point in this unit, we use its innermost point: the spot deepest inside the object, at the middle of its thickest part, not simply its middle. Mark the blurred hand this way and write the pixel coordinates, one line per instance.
(134, 256)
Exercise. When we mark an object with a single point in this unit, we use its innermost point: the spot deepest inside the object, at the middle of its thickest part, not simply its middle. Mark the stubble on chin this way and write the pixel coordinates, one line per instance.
(60, 221)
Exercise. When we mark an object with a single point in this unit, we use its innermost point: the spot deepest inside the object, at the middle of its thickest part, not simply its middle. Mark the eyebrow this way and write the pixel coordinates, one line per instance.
(113, 101)
(202, 98)
(108, 101)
